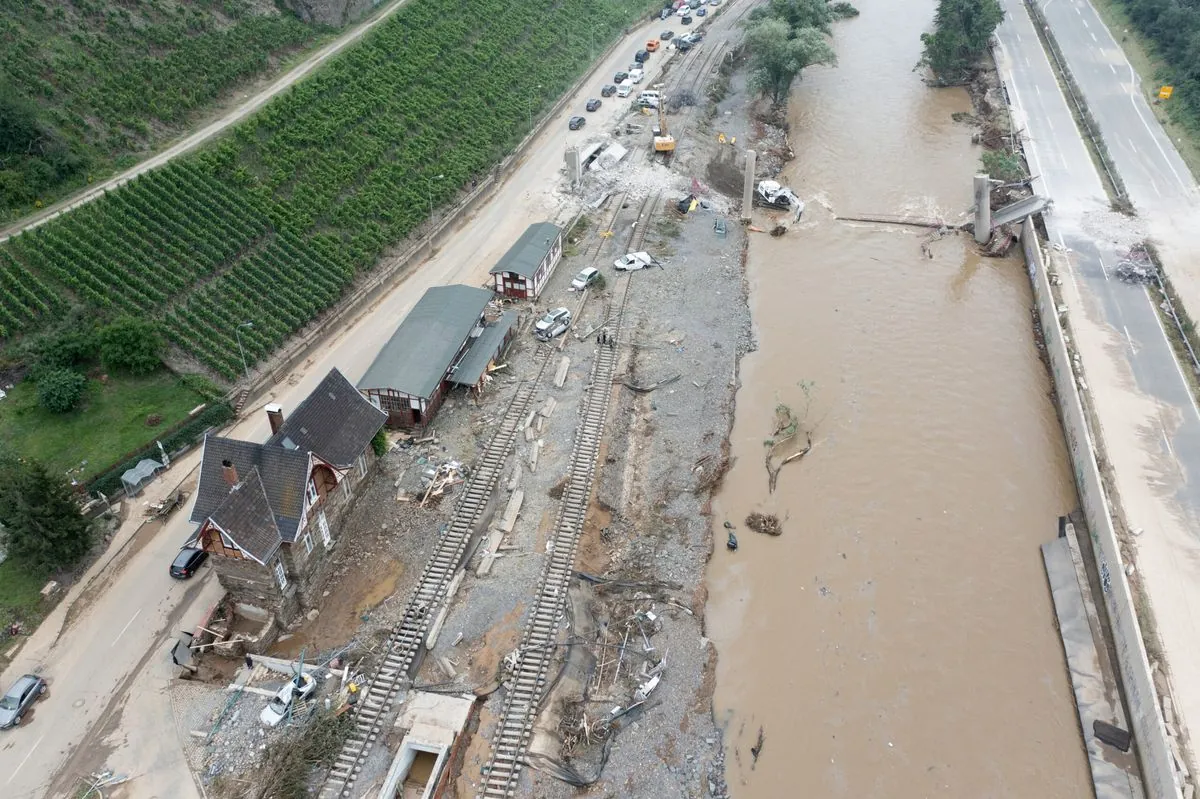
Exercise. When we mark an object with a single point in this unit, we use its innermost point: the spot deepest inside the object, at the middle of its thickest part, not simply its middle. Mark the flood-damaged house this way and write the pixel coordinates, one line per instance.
(524, 270)
(451, 337)
(269, 513)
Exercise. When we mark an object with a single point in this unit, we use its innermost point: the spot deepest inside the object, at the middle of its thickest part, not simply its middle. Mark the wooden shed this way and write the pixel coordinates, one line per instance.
(524, 270)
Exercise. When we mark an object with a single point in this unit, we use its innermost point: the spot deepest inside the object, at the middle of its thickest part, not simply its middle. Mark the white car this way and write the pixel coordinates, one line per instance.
(634, 261)
(277, 709)
(554, 323)
(585, 278)
(625, 89)
(636, 75)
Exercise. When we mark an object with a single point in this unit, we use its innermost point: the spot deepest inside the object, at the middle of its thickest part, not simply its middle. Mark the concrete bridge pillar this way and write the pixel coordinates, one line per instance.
(983, 209)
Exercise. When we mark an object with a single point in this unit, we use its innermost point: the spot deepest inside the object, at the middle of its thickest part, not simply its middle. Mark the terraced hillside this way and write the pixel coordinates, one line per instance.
(272, 223)
(88, 85)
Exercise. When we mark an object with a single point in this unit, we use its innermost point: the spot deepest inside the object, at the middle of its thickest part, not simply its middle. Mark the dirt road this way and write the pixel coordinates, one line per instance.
(107, 704)
(205, 133)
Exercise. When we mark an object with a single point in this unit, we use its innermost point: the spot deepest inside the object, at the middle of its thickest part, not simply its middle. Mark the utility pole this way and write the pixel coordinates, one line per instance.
(237, 331)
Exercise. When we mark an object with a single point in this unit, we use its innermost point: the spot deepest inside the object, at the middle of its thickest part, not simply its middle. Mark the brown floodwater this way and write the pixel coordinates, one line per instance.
(898, 640)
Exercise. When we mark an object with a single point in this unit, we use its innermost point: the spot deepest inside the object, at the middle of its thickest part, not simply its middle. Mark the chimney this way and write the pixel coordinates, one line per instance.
(275, 415)
(229, 472)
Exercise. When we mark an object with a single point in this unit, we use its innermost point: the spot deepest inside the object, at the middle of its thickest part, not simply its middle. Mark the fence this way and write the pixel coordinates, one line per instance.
(1145, 714)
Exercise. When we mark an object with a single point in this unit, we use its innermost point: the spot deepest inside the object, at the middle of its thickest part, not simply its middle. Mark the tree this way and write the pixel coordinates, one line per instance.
(798, 14)
(777, 57)
(44, 526)
(59, 390)
(961, 31)
(132, 345)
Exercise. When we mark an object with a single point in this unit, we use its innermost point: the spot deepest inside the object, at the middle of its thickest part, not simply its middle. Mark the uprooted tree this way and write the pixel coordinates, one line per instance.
(791, 438)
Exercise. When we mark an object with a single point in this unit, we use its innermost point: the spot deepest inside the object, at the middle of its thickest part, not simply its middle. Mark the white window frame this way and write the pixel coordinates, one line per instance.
(280, 574)
(311, 495)
(323, 526)
(362, 464)
(308, 542)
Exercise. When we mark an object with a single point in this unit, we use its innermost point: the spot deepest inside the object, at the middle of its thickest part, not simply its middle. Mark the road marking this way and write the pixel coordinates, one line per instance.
(1050, 122)
(1094, 39)
(1166, 440)
(1178, 369)
(1133, 101)
(1113, 67)
(1103, 268)
(1084, 21)
(1154, 186)
(1132, 146)
(126, 627)
(13, 776)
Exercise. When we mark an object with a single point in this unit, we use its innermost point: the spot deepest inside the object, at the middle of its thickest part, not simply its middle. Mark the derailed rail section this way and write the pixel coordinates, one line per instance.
(407, 638)
(523, 694)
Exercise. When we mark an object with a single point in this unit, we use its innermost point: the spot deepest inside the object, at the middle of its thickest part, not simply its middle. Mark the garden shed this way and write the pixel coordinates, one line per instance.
(524, 270)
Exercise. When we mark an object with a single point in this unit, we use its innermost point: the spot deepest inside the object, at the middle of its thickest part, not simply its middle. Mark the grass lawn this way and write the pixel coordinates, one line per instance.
(20, 594)
(109, 423)
(1140, 52)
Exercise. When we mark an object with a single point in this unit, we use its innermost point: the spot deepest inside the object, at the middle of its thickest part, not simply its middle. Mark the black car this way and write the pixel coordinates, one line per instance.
(608, 91)
(685, 20)
(187, 562)
(666, 35)
(576, 123)
(640, 56)
(683, 45)
(16, 703)
(620, 76)
(593, 105)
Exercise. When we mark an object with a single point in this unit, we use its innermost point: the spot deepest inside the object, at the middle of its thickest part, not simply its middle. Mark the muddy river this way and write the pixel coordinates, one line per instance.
(898, 639)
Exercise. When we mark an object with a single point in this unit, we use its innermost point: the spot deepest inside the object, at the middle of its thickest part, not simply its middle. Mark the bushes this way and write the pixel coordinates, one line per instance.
(960, 37)
(44, 527)
(132, 345)
(59, 390)
(379, 444)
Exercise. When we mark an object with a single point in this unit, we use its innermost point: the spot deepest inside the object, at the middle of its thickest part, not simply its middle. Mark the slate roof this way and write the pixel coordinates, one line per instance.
(524, 257)
(283, 473)
(335, 422)
(483, 349)
(416, 357)
(245, 516)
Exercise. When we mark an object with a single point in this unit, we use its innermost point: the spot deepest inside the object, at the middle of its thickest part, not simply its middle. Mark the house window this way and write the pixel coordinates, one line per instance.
(362, 464)
(308, 542)
(310, 493)
(323, 525)
(280, 574)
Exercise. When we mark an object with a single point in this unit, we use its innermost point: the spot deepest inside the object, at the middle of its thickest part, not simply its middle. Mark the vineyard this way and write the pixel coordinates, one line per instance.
(271, 224)
(103, 80)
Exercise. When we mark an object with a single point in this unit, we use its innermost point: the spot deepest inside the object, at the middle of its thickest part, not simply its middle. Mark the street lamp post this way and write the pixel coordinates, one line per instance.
(429, 190)
(237, 331)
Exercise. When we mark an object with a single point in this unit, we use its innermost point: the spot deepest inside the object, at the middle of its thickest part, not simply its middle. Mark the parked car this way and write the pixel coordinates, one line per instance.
(683, 45)
(625, 88)
(585, 278)
(666, 13)
(187, 563)
(620, 76)
(554, 323)
(687, 20)
(652, 46)
(593, 105)
(636, 75)
(667, 35)
(700, 12)
(576, 123)
(16, 703)
(608, 90)
(277, 709)
(683, 11)
(634, 261)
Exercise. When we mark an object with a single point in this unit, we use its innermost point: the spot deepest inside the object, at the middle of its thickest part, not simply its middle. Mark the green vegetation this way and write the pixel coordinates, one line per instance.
(43, 528)
(379, 443)
(111, 421)
(20, 594)
(1003, 165)
(961, 31)
(86, 86)
(59, 390)
(132, 345)
(784, 37)
(271, 224)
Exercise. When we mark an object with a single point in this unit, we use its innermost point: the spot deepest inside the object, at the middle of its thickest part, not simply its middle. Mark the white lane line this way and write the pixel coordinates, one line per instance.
(126, 627)
(1154, 186)
(1127, 336)
(1103, 268)
(1084, 19)
(1050, 122)
(1113, 67)
(1094, 39)
(1166, 440)
(1132, 146)
(1175, 361)
(1038, 89)
(1133, 97)
(13, 776)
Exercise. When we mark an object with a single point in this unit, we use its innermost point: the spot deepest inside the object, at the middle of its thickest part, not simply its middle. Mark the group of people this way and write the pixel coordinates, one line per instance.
(606, 339)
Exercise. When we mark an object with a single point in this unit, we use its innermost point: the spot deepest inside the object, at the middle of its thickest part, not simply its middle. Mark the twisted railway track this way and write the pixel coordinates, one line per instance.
(407, 638)
(536, 651)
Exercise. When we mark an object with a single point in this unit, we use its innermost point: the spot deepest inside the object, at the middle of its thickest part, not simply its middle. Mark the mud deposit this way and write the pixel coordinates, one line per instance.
(898, 639)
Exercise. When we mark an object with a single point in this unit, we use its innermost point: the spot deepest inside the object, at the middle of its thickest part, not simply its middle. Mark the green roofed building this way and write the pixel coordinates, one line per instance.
(523, 271)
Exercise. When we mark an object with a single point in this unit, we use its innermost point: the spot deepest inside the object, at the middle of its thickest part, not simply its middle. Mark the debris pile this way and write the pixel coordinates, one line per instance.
(437, 479)
(764, 523)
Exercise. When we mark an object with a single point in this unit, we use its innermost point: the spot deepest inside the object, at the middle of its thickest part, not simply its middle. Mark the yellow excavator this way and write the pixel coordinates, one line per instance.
(664, 142)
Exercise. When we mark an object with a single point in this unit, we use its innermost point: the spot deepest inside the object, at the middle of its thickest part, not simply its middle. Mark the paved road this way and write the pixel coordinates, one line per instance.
(1156, 178)
(1149, 422)
(194, 140)
(109, 704)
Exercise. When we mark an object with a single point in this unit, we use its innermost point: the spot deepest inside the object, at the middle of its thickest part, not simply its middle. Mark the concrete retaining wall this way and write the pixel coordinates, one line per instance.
(1145, 715)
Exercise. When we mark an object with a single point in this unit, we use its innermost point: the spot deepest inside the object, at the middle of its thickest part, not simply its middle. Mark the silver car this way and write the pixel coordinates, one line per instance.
(19, 699)
(554, 323)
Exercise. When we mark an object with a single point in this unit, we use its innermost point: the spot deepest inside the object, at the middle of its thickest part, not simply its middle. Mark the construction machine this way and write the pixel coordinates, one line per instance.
(664, 142)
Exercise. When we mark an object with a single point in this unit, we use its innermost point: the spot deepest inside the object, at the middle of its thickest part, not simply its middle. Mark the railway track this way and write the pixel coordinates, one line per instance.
(407, 638)
(536, 651)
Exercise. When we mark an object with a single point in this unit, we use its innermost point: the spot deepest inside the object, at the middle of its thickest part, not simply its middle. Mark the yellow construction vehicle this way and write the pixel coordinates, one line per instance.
(664, 142)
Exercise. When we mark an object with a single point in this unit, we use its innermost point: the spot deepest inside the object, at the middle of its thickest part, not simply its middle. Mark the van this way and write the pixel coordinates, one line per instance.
(625, 89)
(636, 75)
(649, 99)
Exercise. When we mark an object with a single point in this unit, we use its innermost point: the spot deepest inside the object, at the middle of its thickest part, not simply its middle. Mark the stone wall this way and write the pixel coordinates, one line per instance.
(250, 583)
